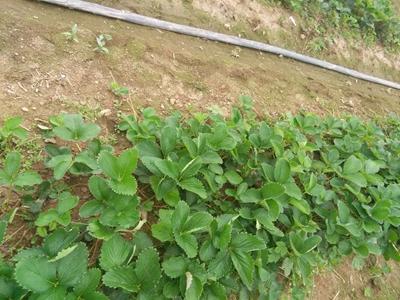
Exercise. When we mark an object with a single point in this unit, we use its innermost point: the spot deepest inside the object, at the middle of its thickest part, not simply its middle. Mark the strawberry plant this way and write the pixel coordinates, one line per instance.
(229, 202)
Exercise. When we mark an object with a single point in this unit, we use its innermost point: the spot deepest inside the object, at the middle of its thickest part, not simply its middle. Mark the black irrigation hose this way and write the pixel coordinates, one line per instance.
(209, 35)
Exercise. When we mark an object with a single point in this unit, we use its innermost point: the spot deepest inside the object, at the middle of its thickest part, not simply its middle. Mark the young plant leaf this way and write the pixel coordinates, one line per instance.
(114, 253)
(352, 165)
(168, 140)
(251, 196)
(175, 266)
(193, 185)
(27, 178)
(75, 129)
(36, 274)
(88, 283)
(148, 148)
(120, 170)
(244, 264)
(282, 170)
(245, 242)
(272, 190)
(233, 177)
(162, 232)
(191, 168)
(169, 168)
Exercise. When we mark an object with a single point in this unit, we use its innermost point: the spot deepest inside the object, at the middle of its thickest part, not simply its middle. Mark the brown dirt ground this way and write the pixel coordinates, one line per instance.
(42, 74)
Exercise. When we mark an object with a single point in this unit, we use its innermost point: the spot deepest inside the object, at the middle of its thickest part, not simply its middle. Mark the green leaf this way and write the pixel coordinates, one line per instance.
(63, 253)
(120, 170)
(46, 218)
(353, 229)
(381, 211)
(3, 227)
(361, 250)
(66, 203)
(194, 287)
(61, 168)
(27, 178)
(221, 264)
(149, 162)
(91, 208)
(187, 242)
(245, 242)
(148, 148)
(357, 178)
(296, 242)
(20, 133)
(193, 185)
(122, 277)
(175, 266)
(207, 250)
(282, 170)
(301, 204)
(344, 213)
(304, 267)
(162, 232)
(197, 221)
(172, 198)
(88, 282)
(12, 163)
(59, 240)
(98, 230)
(244, 264)
(371, 167)
(191, 168)
(233, 177)
(5, 180)
(169, 168)
(180, 215)
(168, 140)
(392, 253)
(211, 157)
(311, 243)
(13, 122)
(171, 289)
(190, 146)
(148, 269)
(36, 274)
(125, 186)
(352, 165)
(74, 263)
(75, 129)
(164, 186)
(216, 291)
(251, 196)
(114, 253)
(223, 236)
(272, 190)
(278, 148)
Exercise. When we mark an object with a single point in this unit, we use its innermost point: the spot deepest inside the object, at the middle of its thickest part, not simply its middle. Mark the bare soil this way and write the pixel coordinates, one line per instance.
(43, 73)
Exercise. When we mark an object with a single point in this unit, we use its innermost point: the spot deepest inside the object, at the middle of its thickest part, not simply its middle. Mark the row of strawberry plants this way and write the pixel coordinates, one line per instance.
(240, 205)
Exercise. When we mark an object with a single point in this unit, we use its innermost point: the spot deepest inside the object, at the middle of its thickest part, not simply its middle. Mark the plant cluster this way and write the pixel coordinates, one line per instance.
(375, 19)
(101, 42)
(235, 206)
(72, 35)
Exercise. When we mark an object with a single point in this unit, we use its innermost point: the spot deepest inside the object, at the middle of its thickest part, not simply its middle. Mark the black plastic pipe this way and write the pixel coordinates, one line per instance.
(210, 35)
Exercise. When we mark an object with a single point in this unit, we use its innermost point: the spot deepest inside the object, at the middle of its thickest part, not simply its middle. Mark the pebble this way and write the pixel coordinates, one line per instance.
(172, 101)
(227, 26)
(105, 112)
(25, 109)
(50, 141)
